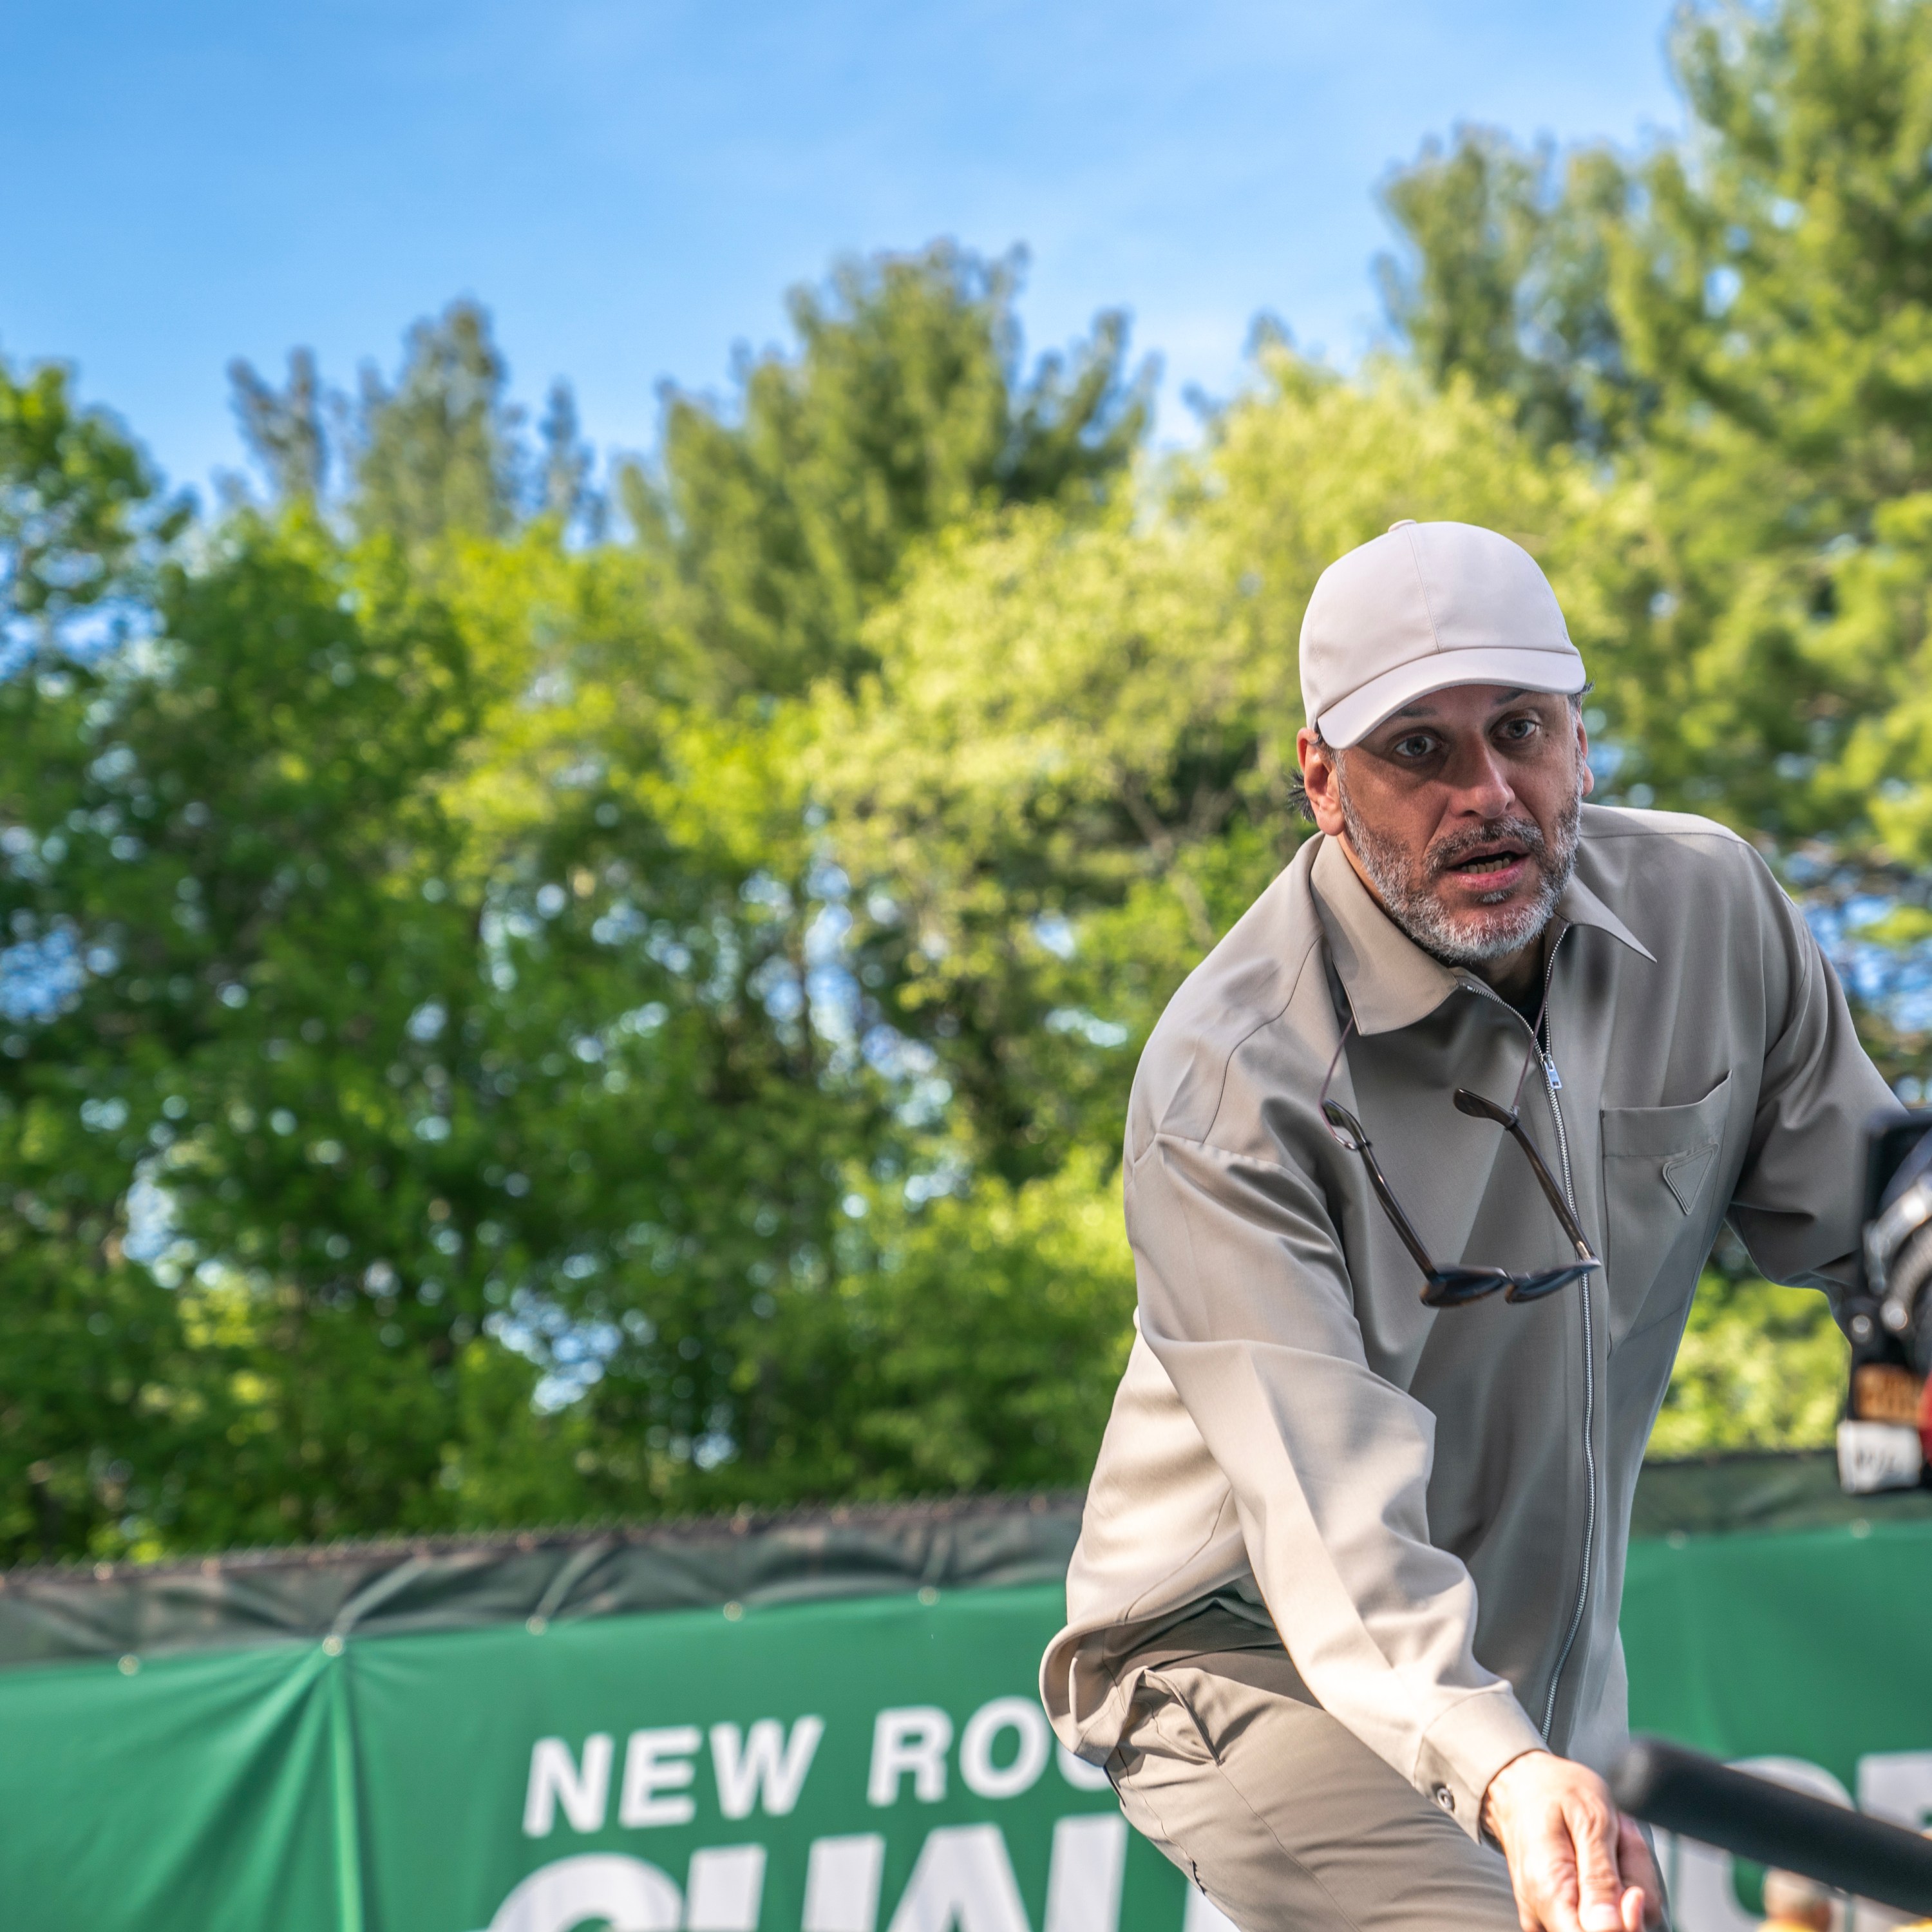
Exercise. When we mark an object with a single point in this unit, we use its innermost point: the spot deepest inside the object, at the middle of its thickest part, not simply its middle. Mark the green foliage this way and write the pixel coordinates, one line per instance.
(1760, 1367)
(213, 857)
(784, 519)
(499, 1021)
(283, 429)
(453, 1083)
(79, 513)
(962, 1318)
(439, 455)
(1506, 281)
(436, 455)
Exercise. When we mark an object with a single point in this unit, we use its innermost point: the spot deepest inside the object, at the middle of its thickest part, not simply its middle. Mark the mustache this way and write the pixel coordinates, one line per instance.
(1458, 846)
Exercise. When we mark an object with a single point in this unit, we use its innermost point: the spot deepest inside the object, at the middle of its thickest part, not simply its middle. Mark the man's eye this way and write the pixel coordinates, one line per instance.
(1518, 728)
(1419, 746)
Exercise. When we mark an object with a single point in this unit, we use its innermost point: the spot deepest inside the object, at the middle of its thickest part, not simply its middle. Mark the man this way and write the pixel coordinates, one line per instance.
(1342, 1619)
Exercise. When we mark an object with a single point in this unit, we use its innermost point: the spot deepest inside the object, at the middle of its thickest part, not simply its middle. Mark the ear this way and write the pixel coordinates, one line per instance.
(1583, 754)
(1321, 776)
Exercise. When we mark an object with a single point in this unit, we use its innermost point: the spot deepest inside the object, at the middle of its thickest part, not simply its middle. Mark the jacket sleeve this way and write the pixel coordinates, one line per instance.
(1796, 1204)
(1328, 1463)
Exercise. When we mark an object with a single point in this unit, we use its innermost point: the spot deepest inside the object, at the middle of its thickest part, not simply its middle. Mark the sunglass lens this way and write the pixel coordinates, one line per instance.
(1534, 1287)
(1450, 1287)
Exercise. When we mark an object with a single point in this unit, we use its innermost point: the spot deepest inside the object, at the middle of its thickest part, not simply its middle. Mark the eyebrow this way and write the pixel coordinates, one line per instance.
(1422, 708)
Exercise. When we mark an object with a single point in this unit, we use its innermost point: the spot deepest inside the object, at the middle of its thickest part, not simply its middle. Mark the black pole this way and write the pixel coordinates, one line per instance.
(1699, 1797)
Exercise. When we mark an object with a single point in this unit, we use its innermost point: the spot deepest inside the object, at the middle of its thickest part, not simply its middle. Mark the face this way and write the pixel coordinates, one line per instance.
(1460, 812)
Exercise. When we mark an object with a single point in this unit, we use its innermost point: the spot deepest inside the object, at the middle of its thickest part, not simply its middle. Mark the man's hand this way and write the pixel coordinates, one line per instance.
(1577, 1863)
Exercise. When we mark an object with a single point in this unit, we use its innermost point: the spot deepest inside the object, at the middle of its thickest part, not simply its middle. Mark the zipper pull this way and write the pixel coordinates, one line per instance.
(1550, 1073)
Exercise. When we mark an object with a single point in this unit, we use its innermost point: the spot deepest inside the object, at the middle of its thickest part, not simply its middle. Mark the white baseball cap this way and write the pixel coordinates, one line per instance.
(1423, 607)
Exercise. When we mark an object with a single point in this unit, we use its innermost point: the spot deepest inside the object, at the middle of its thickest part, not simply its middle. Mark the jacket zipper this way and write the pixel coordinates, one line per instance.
(1552, 1085)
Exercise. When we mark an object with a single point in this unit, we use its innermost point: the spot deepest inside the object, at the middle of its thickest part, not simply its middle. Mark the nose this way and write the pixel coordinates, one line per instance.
(1478, 783)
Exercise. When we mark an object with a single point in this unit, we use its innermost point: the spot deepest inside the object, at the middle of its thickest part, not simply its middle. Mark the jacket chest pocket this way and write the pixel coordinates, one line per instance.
(1661, 1168)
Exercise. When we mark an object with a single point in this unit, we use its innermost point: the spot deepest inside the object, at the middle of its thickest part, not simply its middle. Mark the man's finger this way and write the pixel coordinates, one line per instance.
(1599, 1890)
(1638, 1870)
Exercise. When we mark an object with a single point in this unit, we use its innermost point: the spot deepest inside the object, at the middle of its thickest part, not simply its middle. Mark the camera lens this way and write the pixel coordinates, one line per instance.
(1918, 1338)
(1906, 1206)
(1908, 1309)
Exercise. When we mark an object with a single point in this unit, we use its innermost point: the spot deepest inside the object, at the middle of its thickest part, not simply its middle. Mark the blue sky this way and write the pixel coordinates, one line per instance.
(630, 185)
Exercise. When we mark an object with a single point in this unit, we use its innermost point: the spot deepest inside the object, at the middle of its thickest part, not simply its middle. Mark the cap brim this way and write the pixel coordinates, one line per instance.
(1358, 714)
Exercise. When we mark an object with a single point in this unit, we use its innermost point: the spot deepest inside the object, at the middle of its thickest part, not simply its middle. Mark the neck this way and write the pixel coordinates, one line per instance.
(1515, 975)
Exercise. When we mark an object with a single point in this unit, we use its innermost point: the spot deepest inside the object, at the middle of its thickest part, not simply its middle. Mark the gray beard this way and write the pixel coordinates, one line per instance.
(1407, 891)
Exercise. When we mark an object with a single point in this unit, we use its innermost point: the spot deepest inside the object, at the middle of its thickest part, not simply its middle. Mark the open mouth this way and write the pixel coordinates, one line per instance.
(1488, 862)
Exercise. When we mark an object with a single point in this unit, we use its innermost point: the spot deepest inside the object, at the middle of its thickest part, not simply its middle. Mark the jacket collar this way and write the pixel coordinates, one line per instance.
(1391, 982)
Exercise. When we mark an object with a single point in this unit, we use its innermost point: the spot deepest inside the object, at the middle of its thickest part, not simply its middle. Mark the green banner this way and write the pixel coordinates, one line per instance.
(829, 1768)
(875, 1765)
(201, 1791)
(1806, 1655)
(869, 1764)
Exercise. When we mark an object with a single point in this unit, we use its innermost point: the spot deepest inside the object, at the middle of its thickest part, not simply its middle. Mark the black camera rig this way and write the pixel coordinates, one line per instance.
(1886, 1440)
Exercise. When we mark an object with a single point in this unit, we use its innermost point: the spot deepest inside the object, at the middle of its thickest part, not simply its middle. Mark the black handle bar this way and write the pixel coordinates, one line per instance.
(1698, 1797)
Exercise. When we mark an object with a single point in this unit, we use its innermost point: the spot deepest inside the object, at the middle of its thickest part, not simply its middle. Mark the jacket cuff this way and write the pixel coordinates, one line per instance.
(1467, 1746)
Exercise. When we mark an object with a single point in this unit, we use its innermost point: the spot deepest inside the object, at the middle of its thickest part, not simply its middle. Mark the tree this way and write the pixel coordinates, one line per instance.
(283, 429)
(1505, 280)
(81, 521)
(784, 519)
(677, 1032)
(660, 801)
(437, 454)
(567, 463)
(424, 850)
(229, 1117)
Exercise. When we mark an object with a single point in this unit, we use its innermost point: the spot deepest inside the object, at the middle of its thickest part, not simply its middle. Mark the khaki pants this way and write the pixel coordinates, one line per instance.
(1285, 1818)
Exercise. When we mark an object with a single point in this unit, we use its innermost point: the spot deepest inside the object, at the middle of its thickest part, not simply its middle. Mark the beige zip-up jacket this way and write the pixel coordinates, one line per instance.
(1433, 1507)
